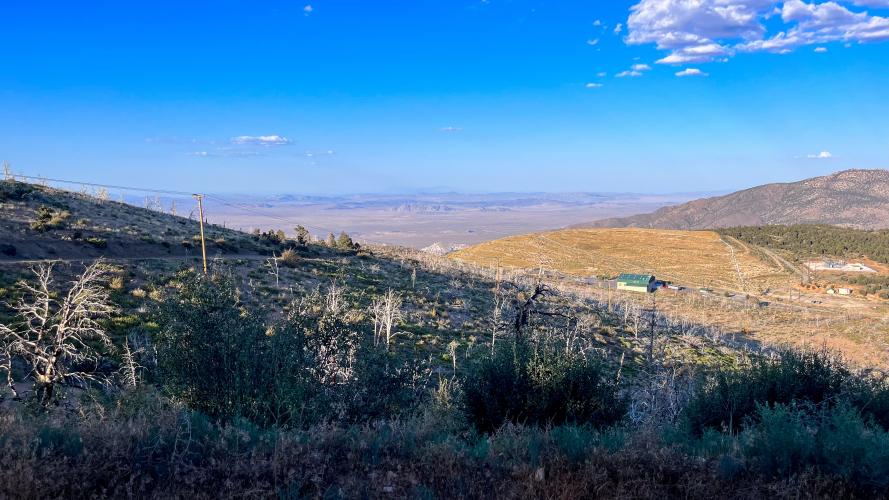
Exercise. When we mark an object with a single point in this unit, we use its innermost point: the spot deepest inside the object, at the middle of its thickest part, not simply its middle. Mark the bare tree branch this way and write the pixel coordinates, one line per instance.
(52, 334)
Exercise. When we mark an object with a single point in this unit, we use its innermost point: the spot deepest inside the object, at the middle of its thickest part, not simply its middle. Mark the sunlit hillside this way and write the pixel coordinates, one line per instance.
(690, 258)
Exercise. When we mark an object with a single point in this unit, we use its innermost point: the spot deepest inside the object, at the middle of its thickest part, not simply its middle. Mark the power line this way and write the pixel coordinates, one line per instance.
(108, 186)
(219, 200)
(246, 208)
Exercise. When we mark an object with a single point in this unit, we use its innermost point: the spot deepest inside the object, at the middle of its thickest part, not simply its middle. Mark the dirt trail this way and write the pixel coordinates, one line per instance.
(779, 261)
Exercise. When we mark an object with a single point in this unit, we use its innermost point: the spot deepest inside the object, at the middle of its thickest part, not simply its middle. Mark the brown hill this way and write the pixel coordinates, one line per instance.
(852, 198)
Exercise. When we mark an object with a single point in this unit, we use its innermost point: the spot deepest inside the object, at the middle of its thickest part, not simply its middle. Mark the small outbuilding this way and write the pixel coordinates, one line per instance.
(641, 283)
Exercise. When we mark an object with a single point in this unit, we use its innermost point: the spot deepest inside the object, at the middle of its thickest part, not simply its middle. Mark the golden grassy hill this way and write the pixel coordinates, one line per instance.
(691, 258)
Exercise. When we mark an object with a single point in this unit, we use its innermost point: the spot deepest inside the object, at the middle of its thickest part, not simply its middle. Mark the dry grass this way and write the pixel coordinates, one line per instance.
(176, 454)
(289, 258)
(691, 258)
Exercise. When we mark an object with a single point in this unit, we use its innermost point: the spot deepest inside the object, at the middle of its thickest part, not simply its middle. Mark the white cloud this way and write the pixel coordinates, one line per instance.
(261, 140)
(824, 155)
(308, 10)
(450, 130)
(618, 28)
(634, 71)
(593, 85)
(705, 52)
(695, 31)
(601, 74)
(691, 72)
(592, 42)
(820, 50)
(597, 22)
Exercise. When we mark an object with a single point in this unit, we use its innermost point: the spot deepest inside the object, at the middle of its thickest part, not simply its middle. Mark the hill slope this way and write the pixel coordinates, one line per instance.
(853, 198)
(693, 258)
(38, 222)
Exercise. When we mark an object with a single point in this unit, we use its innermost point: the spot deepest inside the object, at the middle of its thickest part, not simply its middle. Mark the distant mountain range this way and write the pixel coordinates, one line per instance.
(852, 198)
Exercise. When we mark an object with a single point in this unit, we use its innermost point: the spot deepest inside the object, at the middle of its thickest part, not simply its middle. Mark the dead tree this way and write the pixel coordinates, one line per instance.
(334, 300)
(54, 336)
(129, 369)
(274, 270)
(376, 313)
(391, 313)
(497, 312)
(528, 308)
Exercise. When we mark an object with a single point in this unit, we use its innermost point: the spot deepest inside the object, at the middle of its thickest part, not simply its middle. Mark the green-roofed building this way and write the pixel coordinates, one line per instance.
(642, 283)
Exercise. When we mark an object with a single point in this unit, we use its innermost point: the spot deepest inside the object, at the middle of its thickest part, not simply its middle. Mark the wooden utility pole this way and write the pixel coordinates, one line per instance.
(200, 199)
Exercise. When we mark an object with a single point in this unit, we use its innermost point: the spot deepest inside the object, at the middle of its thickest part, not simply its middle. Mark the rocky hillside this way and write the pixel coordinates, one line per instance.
(852, 198)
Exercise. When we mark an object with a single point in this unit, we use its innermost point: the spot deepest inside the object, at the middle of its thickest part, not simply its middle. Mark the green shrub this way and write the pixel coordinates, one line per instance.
(835, 440)
(220, 358)
(225, 245)
(382, 386)
(302, 236)
(212, 354)
(97, 242)
(730, 397)
(274, 237)
(48, 219)
(344, 242)
(14, 191)
(540, 384)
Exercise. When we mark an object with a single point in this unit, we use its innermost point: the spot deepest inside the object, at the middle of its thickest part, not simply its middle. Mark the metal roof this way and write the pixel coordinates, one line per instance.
(635, 279)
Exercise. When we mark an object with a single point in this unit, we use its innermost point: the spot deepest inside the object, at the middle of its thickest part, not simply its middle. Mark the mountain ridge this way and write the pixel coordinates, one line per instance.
(855, 198)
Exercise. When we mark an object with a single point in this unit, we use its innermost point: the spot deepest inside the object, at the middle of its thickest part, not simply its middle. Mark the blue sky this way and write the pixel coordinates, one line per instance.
(333, 96)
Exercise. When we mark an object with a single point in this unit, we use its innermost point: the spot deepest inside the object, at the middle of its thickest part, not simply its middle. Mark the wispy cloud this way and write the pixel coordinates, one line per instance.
(824, 155)
(315, 154)
(635, 70)
(308, 9)
(691, 72)
(260, 140)
(450, 130)
(593, 85)
(618, 28)
(820, 50)
(592, 42)
(226, 153)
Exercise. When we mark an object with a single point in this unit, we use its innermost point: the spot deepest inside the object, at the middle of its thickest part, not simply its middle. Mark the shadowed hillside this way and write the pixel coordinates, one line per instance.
(853, 198)
(39, 222)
